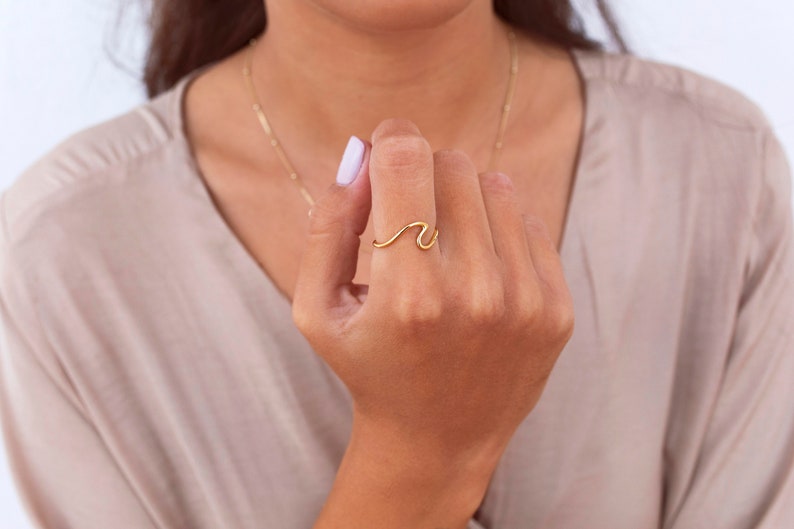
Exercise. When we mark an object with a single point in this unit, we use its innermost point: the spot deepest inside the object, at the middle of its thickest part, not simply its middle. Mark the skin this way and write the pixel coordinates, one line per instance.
(421, 81)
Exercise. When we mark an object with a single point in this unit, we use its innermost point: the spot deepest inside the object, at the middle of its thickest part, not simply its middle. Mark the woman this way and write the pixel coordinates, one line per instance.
(186, 348)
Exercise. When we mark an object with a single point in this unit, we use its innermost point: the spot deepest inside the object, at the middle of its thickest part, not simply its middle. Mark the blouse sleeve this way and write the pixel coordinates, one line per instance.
(744, 476)
(64, 473)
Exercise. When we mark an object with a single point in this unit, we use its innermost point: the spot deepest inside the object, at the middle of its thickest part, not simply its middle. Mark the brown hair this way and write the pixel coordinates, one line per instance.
(187, 34)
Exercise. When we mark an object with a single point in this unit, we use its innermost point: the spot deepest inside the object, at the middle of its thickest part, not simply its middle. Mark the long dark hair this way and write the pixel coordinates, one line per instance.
(187, 34)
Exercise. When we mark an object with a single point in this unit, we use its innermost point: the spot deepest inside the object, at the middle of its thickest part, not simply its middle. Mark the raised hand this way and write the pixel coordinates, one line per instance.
(447, 349)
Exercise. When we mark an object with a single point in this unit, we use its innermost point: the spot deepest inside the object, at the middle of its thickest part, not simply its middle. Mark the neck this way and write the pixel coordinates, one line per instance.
(331, 79)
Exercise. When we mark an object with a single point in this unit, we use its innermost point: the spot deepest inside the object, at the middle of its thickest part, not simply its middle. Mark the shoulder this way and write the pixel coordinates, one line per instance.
(678, 132)
(663, 89)
(94, 202)
(111, 157)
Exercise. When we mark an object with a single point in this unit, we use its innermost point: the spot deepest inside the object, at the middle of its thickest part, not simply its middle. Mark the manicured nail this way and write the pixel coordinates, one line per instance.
(351, 161)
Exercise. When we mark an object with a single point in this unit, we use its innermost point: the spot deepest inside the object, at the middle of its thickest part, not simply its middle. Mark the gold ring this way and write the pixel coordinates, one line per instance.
(424, 226)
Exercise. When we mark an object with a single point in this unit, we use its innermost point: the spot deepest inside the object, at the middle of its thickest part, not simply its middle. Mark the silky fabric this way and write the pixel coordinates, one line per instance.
(152, 377)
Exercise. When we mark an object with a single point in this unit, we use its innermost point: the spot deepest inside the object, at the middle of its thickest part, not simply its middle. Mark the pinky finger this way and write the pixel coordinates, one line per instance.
(545, 259)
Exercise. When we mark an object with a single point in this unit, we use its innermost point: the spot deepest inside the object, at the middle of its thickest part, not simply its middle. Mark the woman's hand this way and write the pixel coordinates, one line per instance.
(446, 350)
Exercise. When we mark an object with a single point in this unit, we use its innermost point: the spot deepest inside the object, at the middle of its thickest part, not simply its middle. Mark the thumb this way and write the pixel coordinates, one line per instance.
(330, 256)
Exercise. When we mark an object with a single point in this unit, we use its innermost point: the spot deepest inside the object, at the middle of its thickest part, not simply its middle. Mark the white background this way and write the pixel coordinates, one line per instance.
(56, 76)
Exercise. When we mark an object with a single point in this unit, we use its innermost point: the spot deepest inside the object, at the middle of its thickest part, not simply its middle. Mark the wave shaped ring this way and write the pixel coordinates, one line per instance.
(425, 226)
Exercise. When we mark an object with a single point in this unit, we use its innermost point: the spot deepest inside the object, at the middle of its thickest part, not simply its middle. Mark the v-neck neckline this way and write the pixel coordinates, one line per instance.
(582, 60)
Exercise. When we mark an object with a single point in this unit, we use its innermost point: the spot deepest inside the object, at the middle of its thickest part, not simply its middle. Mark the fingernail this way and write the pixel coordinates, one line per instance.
(350, 165)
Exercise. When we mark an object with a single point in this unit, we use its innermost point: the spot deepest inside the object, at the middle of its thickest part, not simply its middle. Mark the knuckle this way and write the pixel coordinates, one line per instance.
(498, 184)
(323, 218)
(401, 151)
(418, 306)
(485, 301)
(453, 161)
(393, 126)
(524, 294)
(303, 318)
(561, 319)
(486, 309)
(529, 310)
(332, 211)
(535, 227)
(418, 312)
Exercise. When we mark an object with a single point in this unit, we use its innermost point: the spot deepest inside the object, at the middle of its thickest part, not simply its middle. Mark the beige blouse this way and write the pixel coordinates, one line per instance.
(151, 375)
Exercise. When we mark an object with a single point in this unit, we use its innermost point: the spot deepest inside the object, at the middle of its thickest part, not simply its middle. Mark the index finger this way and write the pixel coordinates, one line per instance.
(401, 175)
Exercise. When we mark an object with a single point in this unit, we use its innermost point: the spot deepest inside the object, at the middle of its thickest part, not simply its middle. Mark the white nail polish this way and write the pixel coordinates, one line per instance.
(351, 161)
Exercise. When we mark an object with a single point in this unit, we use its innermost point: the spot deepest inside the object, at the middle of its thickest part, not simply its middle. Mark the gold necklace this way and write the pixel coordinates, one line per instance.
(293, 174)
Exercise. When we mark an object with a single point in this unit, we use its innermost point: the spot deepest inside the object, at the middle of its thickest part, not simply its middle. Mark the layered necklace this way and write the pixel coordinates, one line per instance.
(290, 169)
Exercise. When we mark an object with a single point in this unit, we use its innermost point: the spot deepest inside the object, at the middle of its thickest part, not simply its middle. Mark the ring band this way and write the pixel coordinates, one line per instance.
(424, 226)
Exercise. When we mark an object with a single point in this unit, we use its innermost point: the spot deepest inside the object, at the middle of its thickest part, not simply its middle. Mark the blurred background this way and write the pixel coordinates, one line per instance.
(67, 65)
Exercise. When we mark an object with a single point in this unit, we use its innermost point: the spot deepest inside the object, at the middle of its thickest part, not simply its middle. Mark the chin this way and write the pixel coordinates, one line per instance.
(394, 15)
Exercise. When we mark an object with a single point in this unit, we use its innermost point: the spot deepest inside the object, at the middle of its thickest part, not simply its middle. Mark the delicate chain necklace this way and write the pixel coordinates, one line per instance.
(293, 174)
